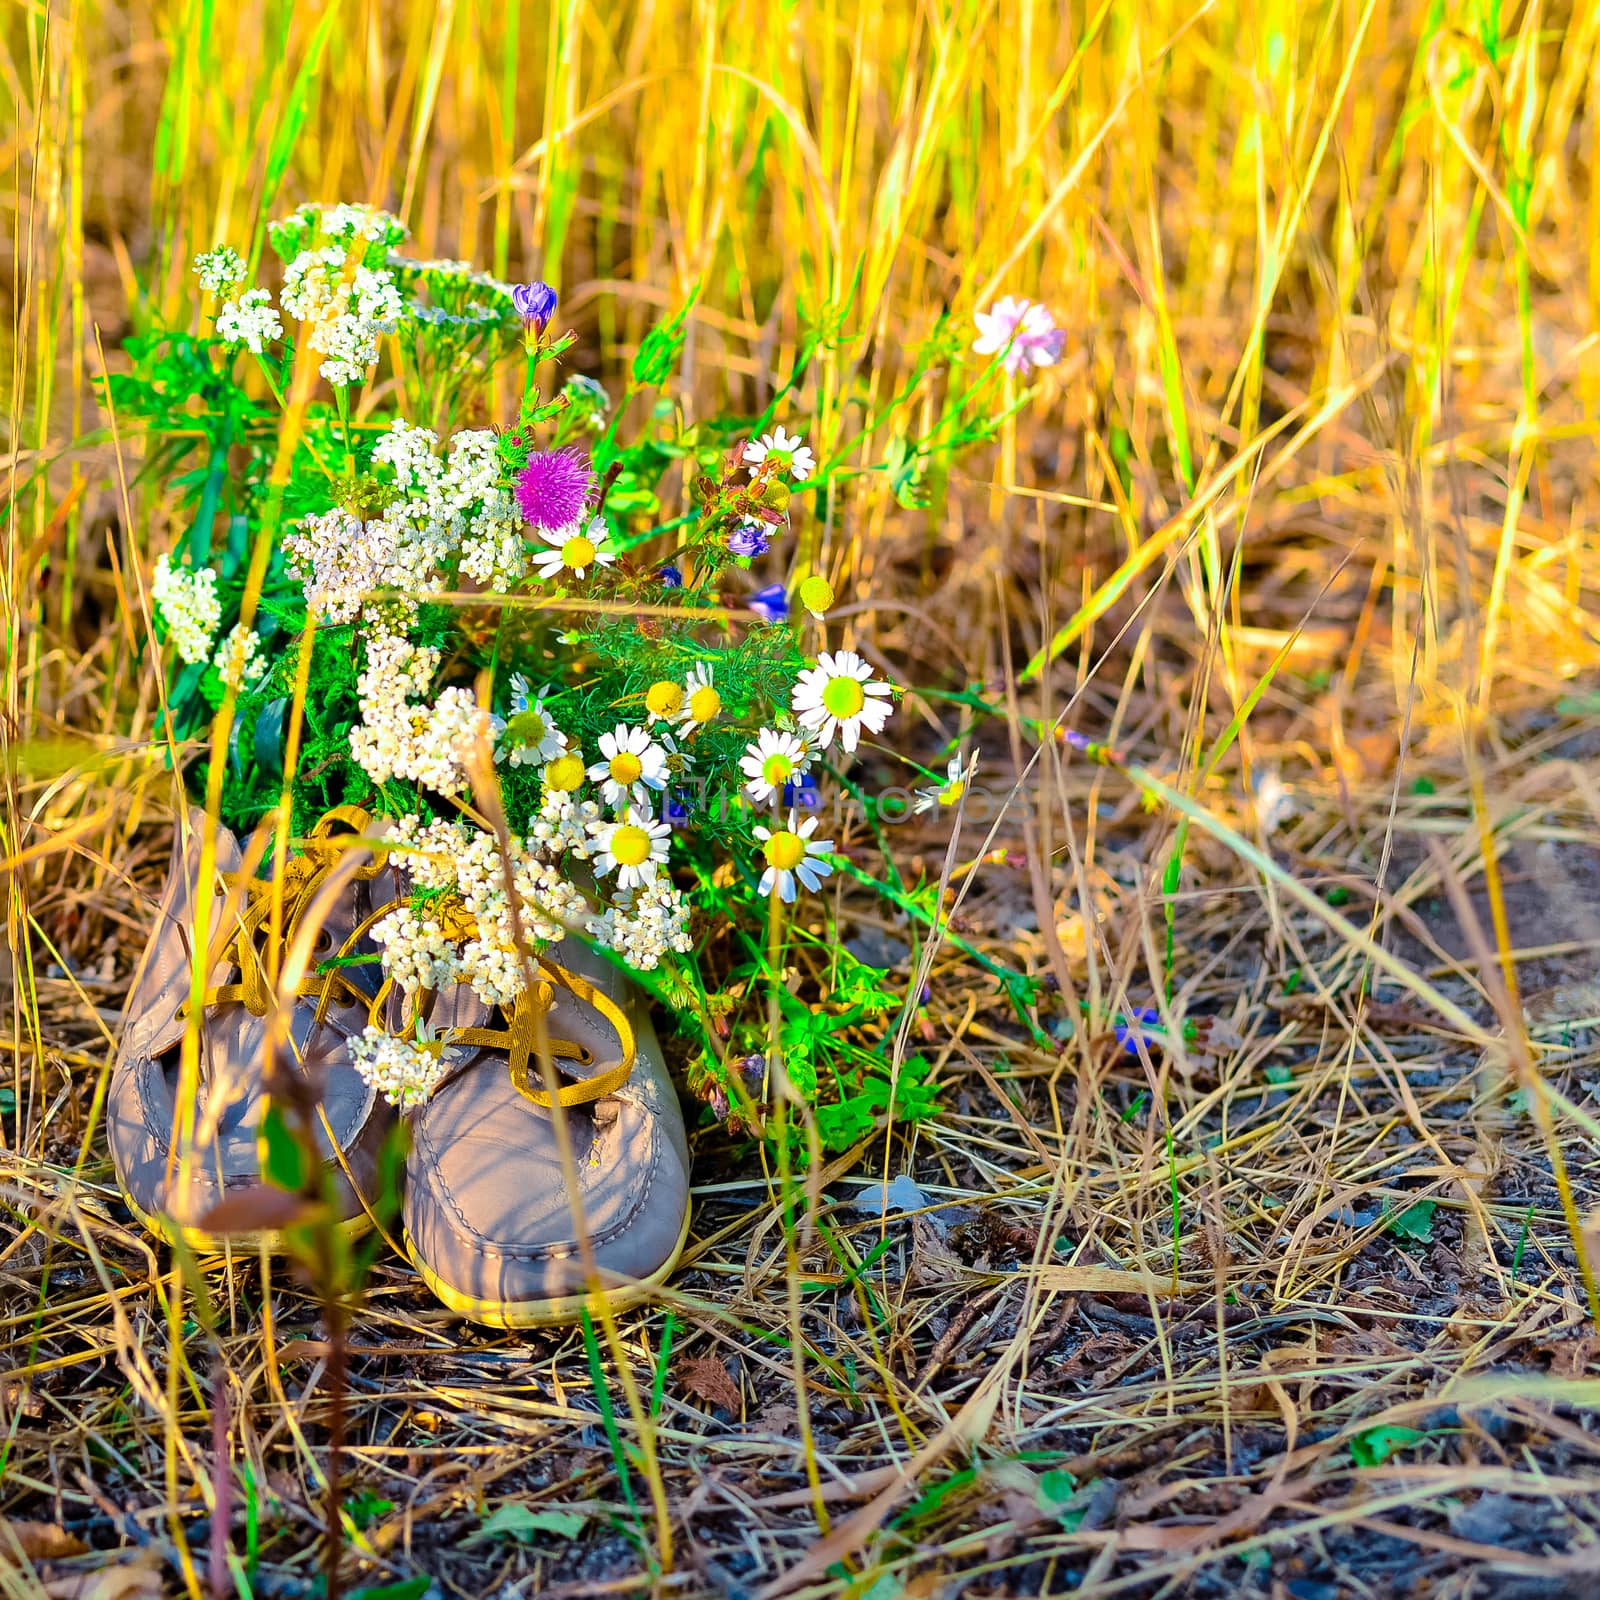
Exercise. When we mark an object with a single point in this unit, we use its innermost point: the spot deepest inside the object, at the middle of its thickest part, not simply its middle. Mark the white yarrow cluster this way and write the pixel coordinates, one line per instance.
(644, 926)
(250, 320)
(239, 657)
(475, 941)
(188, 605)
(445, 506)
(426, 744)
(349, 307)
(219, 269)
(562, 824)
(403, 1072)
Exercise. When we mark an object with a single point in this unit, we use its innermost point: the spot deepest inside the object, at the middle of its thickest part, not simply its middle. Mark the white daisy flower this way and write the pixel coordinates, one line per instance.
(635, 844)
(634, 765)
(840, 696)
(949, 793)
(679, 760)
(574, 549)
(790, 452)
(701, 703)
(529, 736)
(771, 761)
(792, 853)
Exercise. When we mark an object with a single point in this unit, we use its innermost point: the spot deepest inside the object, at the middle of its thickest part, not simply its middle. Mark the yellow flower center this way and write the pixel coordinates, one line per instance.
(527, 727)
(952, 792)
(564, 774)
(843, 697)
(629, 845)
(577, 553)
(665, 698)
(626, 767)
(816, 594)
(785, 850)
(776, 769)
(704, 704)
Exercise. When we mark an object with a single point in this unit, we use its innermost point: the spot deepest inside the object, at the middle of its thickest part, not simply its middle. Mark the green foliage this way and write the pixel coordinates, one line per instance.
(1414, 1225)
(840, 1124)
(1374, 1446)
(364, 1508)
(285, 1162)
(521, 1523)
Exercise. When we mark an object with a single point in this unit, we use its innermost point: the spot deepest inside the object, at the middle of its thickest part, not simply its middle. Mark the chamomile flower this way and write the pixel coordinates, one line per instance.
(635, 845)
(792, 853)
(634, 765)
(789, 452)
(663, 701)
(816, 595)
(772, 760)
(950, 792)
(574, 549)
(529, 737)
(701, 702)
(840, 696)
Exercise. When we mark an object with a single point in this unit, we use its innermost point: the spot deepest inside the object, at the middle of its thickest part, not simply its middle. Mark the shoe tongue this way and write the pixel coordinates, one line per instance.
(458, 1006)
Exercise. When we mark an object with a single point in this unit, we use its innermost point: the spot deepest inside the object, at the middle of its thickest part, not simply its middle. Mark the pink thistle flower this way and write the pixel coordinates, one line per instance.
(1023, 329)
(555, 489)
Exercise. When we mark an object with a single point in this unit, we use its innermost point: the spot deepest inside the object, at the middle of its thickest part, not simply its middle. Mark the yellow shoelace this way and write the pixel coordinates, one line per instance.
(527, 1015)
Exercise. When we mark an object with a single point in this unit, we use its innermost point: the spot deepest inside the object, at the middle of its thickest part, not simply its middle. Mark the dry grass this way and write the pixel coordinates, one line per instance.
(1311, 499)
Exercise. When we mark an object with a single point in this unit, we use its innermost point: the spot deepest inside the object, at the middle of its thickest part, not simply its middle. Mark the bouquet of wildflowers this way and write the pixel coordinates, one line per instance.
(448, 626)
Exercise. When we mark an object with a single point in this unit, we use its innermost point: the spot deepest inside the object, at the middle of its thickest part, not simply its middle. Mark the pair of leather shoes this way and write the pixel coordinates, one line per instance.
(503, 1225)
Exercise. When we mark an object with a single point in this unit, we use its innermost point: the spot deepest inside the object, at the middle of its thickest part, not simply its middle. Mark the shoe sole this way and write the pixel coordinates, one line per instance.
(545, 1313)
(216, 1244)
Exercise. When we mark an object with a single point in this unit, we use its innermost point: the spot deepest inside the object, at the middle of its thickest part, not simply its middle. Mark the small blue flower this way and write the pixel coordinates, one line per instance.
(1129, 1030)
(535, 303)
(803, 792)
(749, 539)
(673, 807)
(771, 603)
(670, 577)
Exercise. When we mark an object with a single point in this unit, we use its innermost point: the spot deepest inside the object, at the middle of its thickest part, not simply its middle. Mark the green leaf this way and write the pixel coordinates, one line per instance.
(365, 1508)
(285, 1162)
(886, 1586)
(515, 1521)
(1061, 1497)
(1415, 1222)
(1376, 1445)
(1057, 1486)
(269, 737)
(405, 1589)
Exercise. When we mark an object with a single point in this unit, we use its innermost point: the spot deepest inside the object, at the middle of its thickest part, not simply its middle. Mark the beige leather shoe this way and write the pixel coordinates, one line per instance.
(490, 1222)
(171, 1189)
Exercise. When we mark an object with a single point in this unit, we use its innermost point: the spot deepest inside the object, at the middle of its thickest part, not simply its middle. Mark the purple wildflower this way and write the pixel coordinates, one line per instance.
(555, 488)
(771, 603)
(670, 577)
(749, 539)
(674, 807)
(535, 303)
(1022, 329)
(753, 1068)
